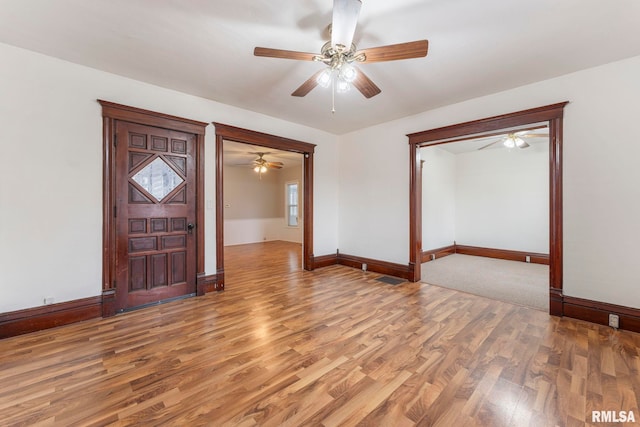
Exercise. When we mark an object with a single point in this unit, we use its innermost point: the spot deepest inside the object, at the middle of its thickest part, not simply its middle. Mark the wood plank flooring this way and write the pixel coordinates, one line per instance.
(283, 347)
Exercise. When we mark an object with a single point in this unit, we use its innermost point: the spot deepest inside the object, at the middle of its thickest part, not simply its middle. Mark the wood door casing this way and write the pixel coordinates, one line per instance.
(111, 114)
(155, 203)
(231, 133)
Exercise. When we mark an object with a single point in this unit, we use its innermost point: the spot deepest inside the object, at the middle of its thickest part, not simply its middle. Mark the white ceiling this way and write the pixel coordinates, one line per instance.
(205, 48)
(492, 140)
(243, 155)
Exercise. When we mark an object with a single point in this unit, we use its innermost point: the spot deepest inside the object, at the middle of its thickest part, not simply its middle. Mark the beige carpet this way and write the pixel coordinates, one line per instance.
(511, 281)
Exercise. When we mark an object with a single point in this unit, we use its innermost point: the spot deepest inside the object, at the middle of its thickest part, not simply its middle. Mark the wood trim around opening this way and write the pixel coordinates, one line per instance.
(111, 113)
(552, 114)
(231, 133)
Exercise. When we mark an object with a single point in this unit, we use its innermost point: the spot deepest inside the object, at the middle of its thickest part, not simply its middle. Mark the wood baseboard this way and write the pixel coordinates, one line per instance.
(509, 255)
(535, 258)
(598, 312)
(206, 284)
(376, 266)
(49, 316)
(325, 260)
(431, 254)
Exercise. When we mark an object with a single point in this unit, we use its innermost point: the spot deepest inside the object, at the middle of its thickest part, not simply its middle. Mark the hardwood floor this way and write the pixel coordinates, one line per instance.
(331, 347)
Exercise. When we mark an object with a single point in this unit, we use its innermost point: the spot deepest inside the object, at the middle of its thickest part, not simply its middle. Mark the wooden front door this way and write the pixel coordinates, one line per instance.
(155, 212)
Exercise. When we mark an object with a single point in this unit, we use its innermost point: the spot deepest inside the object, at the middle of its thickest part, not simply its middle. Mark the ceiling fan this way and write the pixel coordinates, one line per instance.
(340, 54)
(260, 165)
(514, 139)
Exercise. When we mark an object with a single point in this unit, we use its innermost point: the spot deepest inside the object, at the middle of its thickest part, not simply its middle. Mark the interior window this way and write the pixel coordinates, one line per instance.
(291, 196)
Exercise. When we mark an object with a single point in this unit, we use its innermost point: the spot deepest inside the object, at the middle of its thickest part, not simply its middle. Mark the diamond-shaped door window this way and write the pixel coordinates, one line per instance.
(158, 179)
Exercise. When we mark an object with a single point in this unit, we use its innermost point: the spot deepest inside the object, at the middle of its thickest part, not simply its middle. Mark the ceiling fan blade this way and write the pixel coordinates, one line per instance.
(488, 145)
(523, 145)
(284, 54)
(272, 166)
(365, 85)
(393, 52)
(307, 86)
(276, 163)
(343, 24)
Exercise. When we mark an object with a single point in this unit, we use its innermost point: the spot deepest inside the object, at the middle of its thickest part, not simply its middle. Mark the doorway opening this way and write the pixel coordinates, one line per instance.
(485, 215)
(552, 116)
(226, 134)
(263, 212)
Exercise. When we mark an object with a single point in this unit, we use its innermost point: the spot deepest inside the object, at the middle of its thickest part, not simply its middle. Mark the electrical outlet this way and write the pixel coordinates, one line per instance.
(364, 267)
(614, 321)
(433, 256)
(527, 258)
(48, 300)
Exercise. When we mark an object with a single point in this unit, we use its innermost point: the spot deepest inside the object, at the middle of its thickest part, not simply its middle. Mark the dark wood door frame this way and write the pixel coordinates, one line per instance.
(111, 113)
(232, 133)
(552, 114)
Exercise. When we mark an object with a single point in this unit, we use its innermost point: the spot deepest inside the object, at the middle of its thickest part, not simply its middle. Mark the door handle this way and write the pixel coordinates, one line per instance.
(190, 227)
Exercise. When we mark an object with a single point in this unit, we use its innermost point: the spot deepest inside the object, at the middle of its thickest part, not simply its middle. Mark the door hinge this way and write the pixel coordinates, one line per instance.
(115, 212)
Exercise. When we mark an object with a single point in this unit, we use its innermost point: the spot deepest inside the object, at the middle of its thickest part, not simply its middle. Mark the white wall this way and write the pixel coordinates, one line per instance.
(438, 198)
(601, 198)
(502, 198)
(51, 172)
(495, 198)
(255, 208)
(51, 175)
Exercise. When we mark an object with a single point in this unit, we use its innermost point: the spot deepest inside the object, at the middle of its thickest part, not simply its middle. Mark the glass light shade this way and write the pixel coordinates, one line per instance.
(518, 141)
(324, 79)
(509, 142)
(348, 73)
(345, 19)
(260, 169)
(342, 86)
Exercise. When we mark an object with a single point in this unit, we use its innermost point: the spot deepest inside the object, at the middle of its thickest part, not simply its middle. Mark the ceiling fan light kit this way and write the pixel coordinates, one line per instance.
(514, 141)
(340, 54)
(260, 165)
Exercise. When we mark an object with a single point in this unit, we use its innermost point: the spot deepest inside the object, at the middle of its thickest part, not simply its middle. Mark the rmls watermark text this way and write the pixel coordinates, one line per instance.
(613, 417)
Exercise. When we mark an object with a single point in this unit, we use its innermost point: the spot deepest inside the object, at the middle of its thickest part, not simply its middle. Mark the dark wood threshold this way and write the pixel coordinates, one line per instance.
(49, 316)
(598, 312)
(509, 255)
